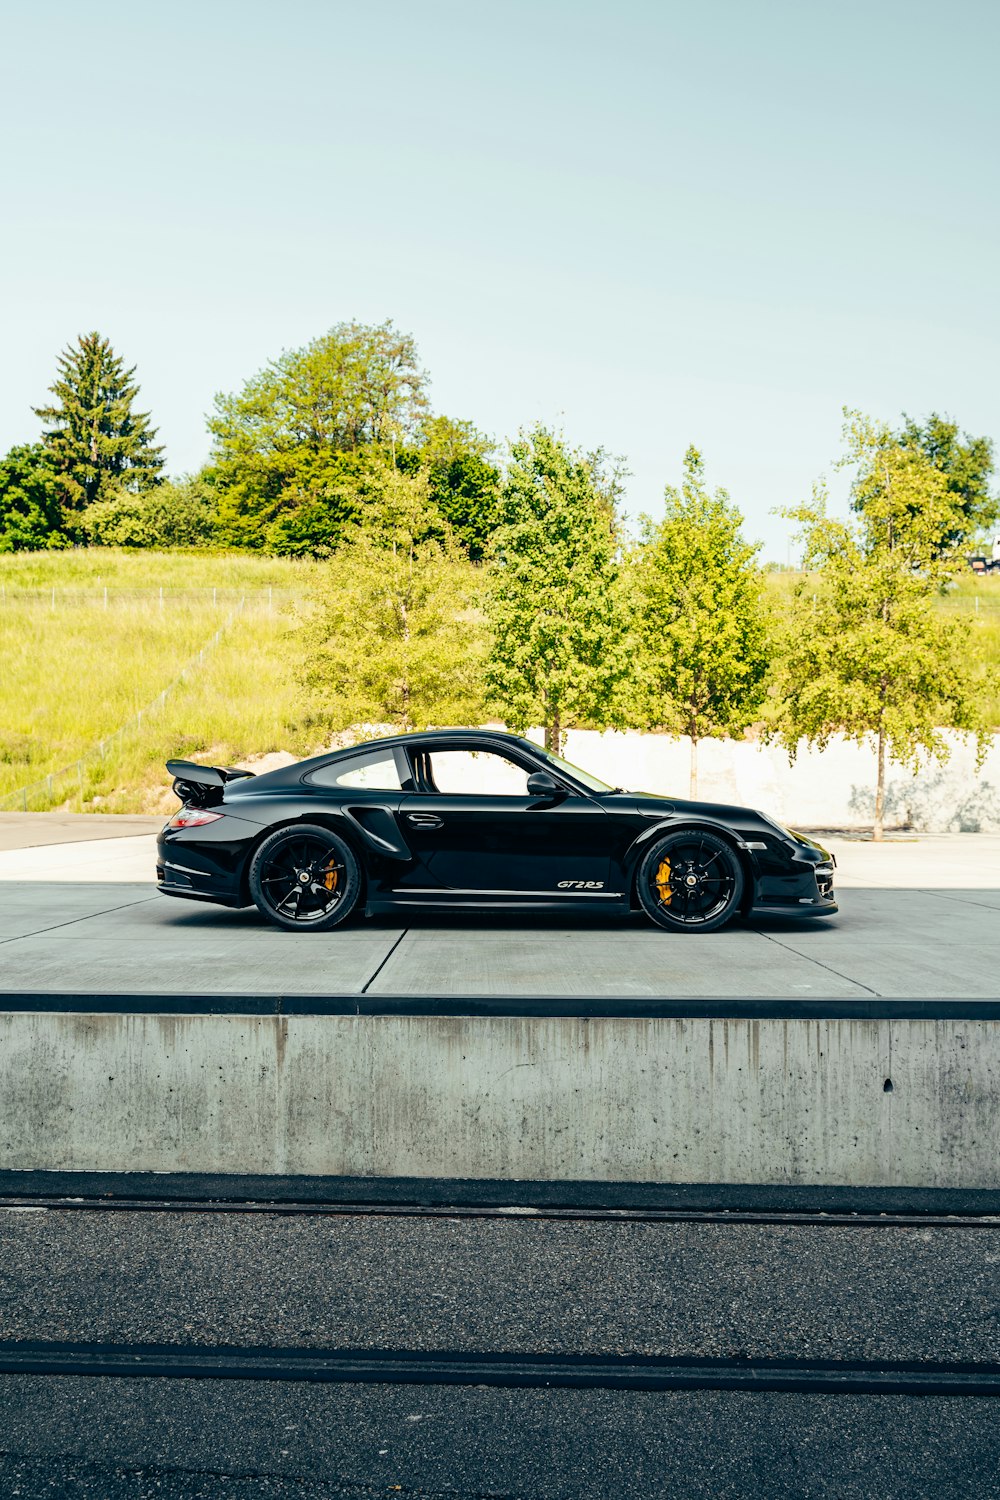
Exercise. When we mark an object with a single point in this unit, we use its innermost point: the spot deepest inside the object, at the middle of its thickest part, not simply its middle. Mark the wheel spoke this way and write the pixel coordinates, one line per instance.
(298, 900)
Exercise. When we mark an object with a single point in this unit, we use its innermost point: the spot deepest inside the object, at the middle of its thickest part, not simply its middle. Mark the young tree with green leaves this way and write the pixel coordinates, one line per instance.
(30, 510)
(700, 617)
(395, 637)
(872, 659)
(558, 655)
(97, 443)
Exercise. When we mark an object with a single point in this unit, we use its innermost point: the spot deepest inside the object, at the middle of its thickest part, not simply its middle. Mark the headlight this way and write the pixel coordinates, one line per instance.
(780, 827)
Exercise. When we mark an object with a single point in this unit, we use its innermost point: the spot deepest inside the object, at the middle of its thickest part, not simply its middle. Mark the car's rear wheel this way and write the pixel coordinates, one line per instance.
(305, 878)
(690, 881)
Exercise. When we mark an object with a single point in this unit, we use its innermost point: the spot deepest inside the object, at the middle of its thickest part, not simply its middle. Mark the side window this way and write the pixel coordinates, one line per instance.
(369, 773)
(480, 773)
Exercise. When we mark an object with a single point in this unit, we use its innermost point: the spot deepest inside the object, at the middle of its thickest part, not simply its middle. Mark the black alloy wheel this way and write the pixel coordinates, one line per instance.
(690, 881)
(305, 878)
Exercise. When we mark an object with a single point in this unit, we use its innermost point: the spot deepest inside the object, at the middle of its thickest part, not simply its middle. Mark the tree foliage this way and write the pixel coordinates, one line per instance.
(282, 445)
(395, 638)
(97, 443)
(30, 510)
(873, 660)
(557, 654)
(967, 465)
(462, 482)
(700, 617)
(176, 513)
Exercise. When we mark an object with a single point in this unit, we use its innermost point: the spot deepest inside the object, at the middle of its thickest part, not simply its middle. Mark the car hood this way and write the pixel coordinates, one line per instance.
(745, 820)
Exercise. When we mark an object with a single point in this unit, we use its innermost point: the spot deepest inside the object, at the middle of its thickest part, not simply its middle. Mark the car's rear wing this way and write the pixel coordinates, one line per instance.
(201, 786)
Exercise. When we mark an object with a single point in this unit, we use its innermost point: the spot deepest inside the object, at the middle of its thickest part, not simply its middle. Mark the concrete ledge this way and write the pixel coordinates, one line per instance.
(641, 1007)
(127, 1190)
(888, 1102)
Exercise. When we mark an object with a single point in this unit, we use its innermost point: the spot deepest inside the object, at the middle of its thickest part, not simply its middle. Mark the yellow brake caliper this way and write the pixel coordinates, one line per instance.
(662, 881)
(330, 879)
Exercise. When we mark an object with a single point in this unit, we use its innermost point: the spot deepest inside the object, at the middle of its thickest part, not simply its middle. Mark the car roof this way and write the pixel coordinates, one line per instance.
(293, 774)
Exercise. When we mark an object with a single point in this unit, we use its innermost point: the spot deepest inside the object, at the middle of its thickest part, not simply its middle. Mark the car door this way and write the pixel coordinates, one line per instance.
(473, 827)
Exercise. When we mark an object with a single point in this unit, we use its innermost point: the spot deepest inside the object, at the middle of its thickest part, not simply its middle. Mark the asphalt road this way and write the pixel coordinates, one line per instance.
(794, 1293)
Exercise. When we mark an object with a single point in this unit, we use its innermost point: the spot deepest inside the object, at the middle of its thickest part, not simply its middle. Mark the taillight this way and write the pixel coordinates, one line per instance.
(193, 817)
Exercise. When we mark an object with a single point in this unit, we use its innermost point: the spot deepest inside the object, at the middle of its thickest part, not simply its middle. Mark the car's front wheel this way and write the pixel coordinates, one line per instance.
(690, 881)
(305, 878)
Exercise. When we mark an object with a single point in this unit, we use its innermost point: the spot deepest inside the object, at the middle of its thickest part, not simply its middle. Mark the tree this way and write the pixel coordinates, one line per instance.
(967, 465)
(557, 655)
(97, 444)
(700, 617)
(176, 513)
(30, 513)
(280, 442)
(462, 483)
(395, 638)
(873, 659)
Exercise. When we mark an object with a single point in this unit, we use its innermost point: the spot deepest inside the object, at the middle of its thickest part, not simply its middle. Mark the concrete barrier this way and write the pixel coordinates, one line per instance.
(886, 1101)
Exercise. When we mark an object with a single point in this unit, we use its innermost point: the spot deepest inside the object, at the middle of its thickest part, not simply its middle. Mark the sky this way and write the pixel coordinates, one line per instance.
(646, 224)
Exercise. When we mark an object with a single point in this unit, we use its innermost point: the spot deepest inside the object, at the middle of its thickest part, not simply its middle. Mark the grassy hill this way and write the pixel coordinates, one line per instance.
(89, 640)
(103, 646)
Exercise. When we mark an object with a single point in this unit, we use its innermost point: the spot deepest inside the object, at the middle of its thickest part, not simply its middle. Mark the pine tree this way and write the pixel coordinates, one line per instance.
(98, 445)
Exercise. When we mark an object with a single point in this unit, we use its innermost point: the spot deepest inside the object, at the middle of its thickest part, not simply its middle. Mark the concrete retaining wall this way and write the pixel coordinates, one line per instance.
(774, 1101)
(832, 788)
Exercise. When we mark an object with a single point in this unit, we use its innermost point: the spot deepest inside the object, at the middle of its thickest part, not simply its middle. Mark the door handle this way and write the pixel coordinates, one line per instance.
(424, 820)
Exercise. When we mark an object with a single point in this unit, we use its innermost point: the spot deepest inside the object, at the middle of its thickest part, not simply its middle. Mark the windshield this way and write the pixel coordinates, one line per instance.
(592, 782)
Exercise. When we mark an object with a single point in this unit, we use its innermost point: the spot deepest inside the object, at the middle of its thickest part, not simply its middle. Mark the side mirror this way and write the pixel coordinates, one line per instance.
(541, 784)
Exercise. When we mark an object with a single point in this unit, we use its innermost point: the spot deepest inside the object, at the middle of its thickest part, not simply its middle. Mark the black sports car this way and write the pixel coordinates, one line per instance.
(473, 820)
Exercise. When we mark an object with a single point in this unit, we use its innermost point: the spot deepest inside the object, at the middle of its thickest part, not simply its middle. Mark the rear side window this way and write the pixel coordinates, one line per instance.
(364, 773)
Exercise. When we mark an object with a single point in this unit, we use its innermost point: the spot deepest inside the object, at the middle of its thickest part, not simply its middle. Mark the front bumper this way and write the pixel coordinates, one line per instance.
(800, 886)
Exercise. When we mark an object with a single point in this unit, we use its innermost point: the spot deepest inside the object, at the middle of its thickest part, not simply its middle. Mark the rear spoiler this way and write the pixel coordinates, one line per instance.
(202, 785)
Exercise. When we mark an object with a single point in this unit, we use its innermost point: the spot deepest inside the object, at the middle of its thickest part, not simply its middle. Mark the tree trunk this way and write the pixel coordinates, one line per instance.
(553, 735)
(880, 789)
(693, 789)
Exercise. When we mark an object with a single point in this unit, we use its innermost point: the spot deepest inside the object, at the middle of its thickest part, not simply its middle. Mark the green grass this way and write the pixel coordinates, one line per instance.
(78, 666)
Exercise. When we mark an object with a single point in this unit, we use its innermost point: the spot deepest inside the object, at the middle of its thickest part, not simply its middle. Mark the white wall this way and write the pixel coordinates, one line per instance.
(834, 788)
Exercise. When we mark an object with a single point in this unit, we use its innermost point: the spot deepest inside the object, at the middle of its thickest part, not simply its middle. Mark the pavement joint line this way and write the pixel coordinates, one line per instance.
(373, 977)
(512, 1370)
(87, 917)
(821, 965)
(961, 900)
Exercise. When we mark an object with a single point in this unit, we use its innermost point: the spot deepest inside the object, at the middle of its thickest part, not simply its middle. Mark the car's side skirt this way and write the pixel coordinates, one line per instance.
(610, 901)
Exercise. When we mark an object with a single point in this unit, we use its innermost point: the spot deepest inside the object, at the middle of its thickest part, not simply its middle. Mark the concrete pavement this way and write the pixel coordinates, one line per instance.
(122, 937)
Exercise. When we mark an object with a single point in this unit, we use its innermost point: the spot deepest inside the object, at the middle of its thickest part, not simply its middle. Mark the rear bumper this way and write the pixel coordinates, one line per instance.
(189, 895)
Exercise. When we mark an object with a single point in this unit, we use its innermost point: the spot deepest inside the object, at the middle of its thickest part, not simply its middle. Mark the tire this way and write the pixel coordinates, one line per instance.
(690, 881)
(278, 880)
